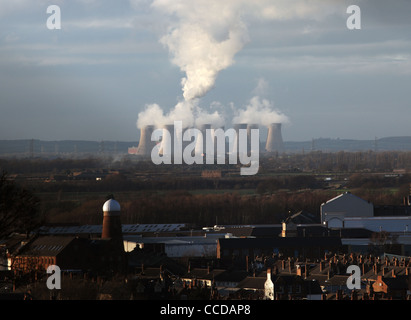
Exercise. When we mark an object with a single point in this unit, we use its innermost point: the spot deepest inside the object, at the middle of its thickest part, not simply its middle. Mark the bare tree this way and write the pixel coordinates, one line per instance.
(19, 208)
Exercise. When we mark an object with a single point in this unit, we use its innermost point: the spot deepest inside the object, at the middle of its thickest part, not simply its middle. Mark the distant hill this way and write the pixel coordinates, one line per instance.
(335, 145)
(39, 148)
(64, 147)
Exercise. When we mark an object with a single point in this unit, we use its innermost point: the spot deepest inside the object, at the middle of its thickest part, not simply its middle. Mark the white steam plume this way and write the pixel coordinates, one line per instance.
(189, 112)
(154, 115)
(203, 40)
(203, 36)
(260, 111)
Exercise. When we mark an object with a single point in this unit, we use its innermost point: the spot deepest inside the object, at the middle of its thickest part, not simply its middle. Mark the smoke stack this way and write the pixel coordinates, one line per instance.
(274, 138)
(146, 145)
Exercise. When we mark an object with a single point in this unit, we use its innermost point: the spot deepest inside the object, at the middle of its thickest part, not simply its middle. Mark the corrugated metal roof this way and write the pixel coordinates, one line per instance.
(376, 224)
(280, 242)
(96, 229)
(46, 246)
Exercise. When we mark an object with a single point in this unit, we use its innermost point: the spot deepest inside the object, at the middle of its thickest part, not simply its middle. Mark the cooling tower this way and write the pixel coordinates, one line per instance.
(201, 146)
(274, 138)
(167, 142)
(146, 145)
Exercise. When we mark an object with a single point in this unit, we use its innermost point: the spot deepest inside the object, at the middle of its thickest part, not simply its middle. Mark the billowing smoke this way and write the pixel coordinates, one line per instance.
(203, 40)
(189, 112)
(154, 115)
(203, 37)
(216, 118)
(260, 111)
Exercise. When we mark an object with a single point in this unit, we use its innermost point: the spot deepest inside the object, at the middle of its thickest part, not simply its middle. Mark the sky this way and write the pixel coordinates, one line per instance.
(113, 62)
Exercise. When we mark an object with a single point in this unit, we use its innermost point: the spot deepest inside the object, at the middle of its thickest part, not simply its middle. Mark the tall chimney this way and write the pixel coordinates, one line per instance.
(274, 138)
(111, 221)
(146, 145)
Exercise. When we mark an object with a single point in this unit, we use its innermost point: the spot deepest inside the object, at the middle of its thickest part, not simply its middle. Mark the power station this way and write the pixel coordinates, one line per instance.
(274, 141)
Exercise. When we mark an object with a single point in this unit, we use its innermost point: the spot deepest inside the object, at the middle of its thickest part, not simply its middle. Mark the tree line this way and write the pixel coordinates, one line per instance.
(317, 161)
(198, 209)
(162, 194)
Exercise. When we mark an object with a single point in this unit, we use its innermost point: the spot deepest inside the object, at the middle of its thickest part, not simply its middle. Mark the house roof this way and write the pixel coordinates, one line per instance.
(397, 283)
(337, 280)
(257, 283)
(203, 273)
(253, 283)
(398, 272)
(345, 195)
(231, 276)
(46, 246)
(303, 217)
(313, 286)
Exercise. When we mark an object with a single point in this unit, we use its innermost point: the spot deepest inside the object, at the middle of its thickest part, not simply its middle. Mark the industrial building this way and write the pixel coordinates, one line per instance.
(73, 252)
(350, 211)
(335, 210)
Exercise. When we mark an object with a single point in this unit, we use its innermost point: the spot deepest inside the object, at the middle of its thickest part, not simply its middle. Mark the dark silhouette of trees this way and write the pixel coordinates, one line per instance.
(19, 208)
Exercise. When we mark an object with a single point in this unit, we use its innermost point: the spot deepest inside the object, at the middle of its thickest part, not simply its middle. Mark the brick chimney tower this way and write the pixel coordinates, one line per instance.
(112, 238)
(111, 220)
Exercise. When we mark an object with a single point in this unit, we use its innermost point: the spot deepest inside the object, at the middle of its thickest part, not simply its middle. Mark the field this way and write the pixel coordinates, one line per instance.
(73, 190)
